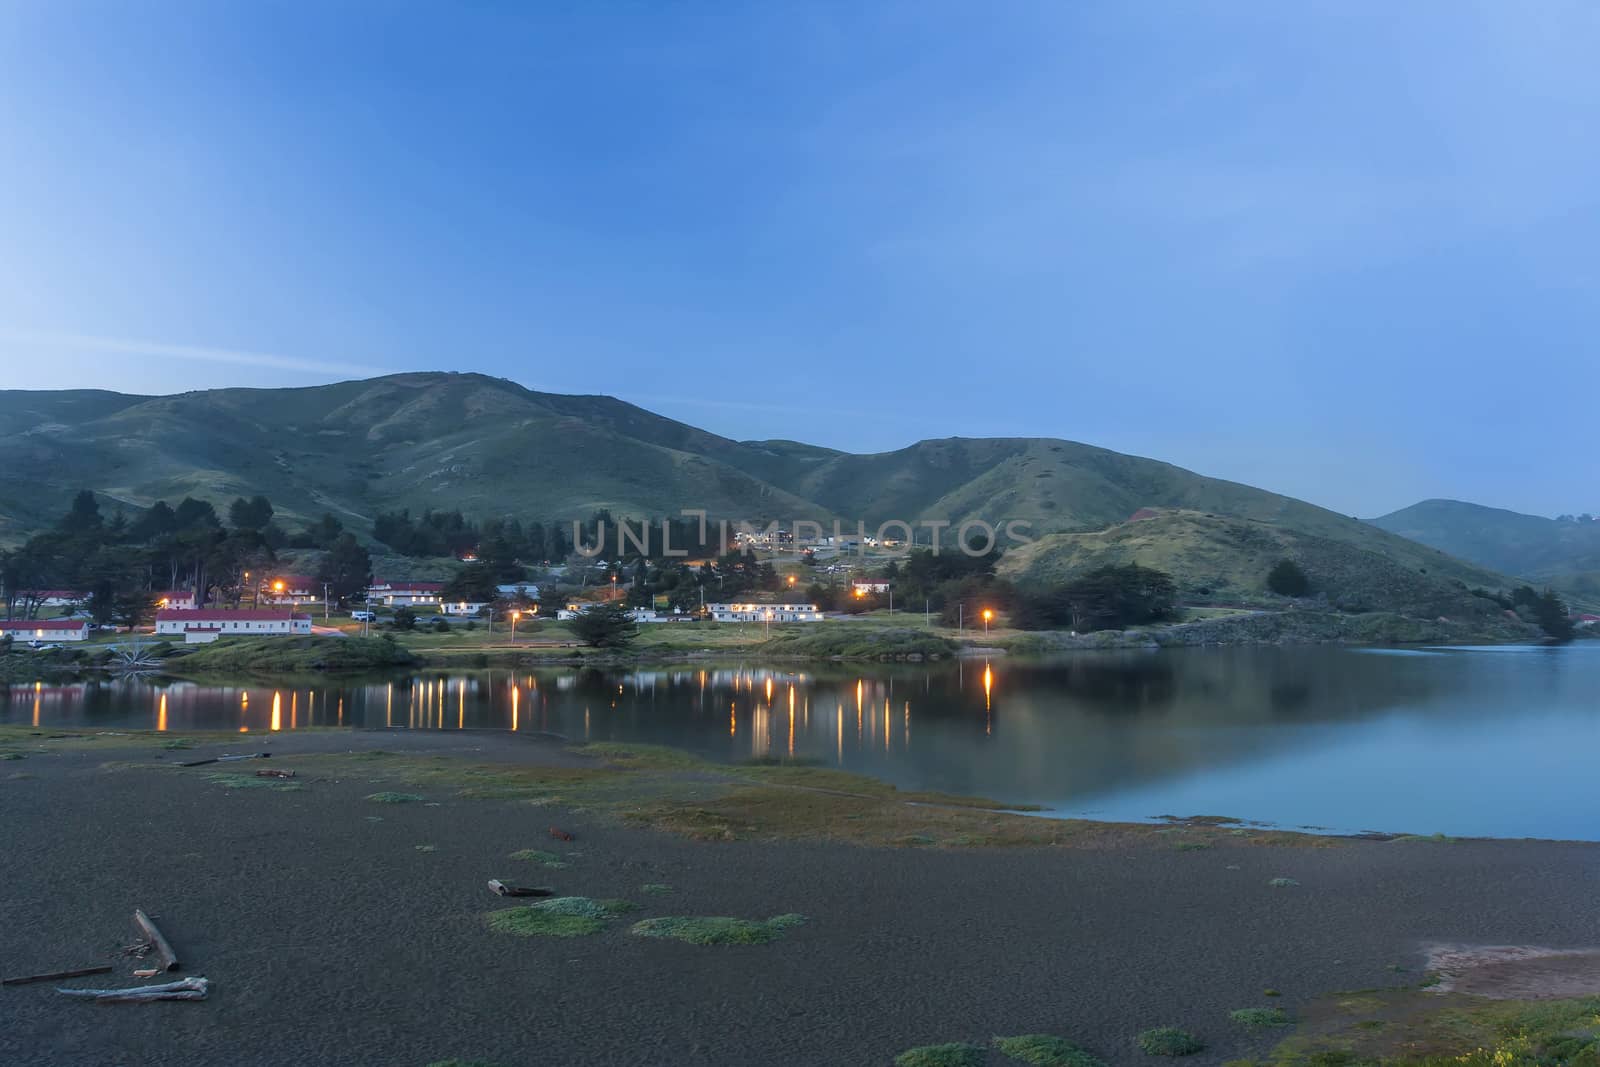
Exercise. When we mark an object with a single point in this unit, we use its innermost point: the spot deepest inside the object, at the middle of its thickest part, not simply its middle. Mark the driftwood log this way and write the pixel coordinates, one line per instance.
(226, 759)
(168, 958)
(497, 886)
(184, 989)
(55, 976)
(559, 834)
(273, 773)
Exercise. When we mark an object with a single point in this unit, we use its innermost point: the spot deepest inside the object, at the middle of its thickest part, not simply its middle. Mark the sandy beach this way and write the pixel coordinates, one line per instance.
(336, 929)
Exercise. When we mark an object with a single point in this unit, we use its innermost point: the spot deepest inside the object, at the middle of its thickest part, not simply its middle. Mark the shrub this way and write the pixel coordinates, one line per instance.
(1288, 579)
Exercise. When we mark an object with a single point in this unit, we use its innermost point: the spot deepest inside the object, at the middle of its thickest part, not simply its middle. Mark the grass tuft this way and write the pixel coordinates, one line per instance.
(1047, 1050)
(427, 848)
(1260, 1018)
(13, 755)
(393, 798)
(1283, 883)
(177, 743)
(655, 888)
(250, 781)
(717, 929)
(954, 1054)
(1435, 839)
(1169, 1041)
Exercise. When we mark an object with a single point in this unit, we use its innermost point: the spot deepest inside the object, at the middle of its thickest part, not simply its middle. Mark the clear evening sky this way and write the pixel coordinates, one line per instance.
(1345, 251)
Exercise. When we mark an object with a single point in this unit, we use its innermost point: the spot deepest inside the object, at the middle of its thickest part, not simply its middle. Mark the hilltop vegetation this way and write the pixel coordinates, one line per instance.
(1232, 559)
(1564, 551)
(429, 462)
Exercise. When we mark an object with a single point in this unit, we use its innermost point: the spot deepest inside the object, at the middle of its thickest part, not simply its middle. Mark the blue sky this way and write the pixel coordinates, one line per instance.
(1345, 251)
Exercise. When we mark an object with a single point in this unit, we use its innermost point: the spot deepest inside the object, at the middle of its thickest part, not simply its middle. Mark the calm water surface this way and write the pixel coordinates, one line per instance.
(1495, 741)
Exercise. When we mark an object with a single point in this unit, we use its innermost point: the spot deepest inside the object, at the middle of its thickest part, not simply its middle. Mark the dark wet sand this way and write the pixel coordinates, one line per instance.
(330, 939)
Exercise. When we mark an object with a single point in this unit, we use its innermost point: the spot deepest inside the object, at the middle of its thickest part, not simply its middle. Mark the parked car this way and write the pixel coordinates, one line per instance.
(431, 619)
(363, 616)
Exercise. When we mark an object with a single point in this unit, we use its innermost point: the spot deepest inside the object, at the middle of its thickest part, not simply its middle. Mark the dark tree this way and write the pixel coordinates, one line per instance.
(346, 567)
(605, 626)
(252, 514)
(404, 619)
(1288, 579)
(475, 582)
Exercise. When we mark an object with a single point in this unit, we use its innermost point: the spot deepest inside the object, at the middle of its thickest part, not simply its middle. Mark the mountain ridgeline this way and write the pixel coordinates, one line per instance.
(491, 448)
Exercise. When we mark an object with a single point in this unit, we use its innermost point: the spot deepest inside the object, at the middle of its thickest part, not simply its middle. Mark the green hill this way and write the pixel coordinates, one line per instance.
(1526, 545)
(490, 447)
(1228, 558)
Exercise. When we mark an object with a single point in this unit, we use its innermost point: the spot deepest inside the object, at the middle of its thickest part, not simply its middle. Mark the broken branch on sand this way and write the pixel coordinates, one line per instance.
(55, 976)
(185, 989)
(274, 773)
(169, 958)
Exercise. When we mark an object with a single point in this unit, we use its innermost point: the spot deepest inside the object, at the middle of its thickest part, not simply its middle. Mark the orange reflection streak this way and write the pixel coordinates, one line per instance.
(161, 716)
(769, 690)
(388, 705)
(886, 724)
(294, 710)
(38, 698)
(988, 685)
(277, 710)
(461, 704)
(733, 721)
(839, 726)
(905, 740)
(516, 701)
(341, 709)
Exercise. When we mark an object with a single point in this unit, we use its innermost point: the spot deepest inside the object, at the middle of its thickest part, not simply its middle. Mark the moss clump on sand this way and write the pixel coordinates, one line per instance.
(1260, 1018)
(394, 798)
(558, 917)
(177, 743)
(250, 781)
(655, 888)
(539, 856)
(1169, 1041)
(1283, 883)
(13, 755)
(1047, 1050)
(718, 929)
(426, 848)
(954, 1054)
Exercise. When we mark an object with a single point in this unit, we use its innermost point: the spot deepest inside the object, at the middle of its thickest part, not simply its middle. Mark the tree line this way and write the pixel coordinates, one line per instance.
(120, 561)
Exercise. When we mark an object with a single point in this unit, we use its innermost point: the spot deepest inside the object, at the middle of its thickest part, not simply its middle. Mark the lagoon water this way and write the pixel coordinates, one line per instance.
(1487, 742)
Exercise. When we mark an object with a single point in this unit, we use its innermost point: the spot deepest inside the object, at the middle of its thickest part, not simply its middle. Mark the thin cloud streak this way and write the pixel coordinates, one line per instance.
(133, 347)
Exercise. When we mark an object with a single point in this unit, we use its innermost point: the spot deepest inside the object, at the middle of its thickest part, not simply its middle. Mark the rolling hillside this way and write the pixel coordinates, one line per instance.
(490, 447)
(1525, 545)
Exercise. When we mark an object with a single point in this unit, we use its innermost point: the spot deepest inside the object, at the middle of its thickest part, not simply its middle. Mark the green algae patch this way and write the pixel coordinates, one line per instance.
(717, 929)
(1047, 1050)
(558, 917)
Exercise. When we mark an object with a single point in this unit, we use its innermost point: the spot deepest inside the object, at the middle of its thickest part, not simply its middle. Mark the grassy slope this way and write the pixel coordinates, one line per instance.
(1527, 545)
(491, 447)
(1231, 558)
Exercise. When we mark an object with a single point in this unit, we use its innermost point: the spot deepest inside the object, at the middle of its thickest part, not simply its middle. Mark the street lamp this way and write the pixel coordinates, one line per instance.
(515, 615)
(987, 615)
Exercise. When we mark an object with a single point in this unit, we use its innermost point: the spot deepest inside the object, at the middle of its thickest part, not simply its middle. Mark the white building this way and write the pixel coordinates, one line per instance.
(865, 586)
(406, 594)
(464, 607)
(207, 624)
(173, 598)
(34, 631)
(295, 589)
(764, 612)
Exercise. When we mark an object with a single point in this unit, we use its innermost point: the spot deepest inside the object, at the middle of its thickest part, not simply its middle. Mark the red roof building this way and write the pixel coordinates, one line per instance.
(45, 629)
(179, 621)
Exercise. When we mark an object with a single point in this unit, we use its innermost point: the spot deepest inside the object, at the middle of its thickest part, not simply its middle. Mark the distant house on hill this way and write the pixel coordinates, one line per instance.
(36, 630)
(866, 586)
(173, 598)
(1144, 513)
(204, 625)
(1587, 620)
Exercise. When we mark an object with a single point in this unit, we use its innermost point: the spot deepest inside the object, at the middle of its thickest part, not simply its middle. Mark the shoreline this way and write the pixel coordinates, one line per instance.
(1095, 935)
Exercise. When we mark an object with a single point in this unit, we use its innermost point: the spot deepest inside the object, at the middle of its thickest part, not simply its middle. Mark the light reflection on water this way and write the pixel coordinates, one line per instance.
(1463, 741)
